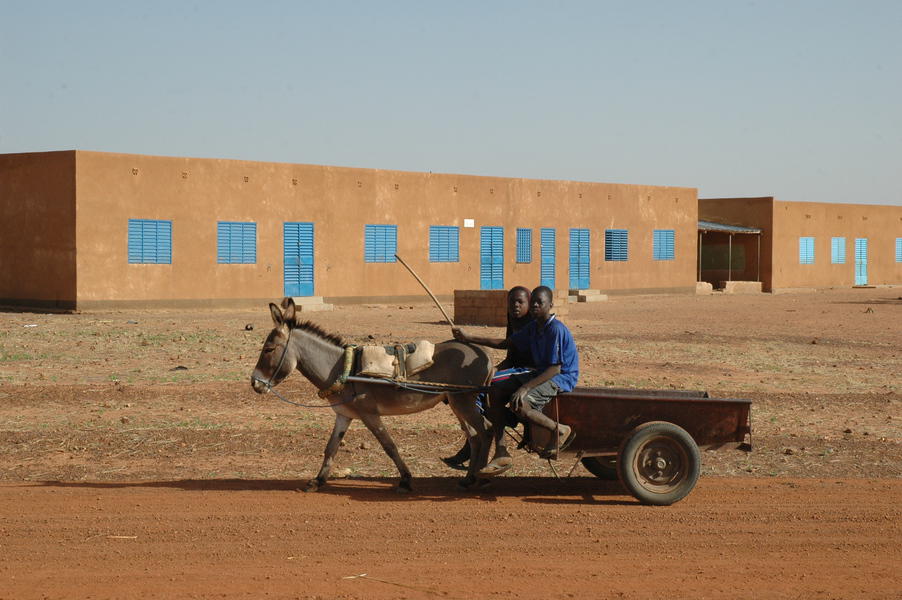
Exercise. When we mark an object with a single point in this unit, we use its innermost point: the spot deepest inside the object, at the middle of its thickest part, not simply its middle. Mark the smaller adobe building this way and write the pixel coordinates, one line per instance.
(792, 245)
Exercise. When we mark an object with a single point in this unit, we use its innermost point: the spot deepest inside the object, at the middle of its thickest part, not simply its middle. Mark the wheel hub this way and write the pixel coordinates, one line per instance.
(660, 464)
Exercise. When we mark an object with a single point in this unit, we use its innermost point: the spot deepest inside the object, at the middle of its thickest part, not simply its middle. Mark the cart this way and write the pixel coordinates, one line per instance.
(648, 439)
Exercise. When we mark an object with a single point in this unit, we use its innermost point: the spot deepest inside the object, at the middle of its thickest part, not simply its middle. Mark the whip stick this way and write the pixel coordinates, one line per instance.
(428, 291)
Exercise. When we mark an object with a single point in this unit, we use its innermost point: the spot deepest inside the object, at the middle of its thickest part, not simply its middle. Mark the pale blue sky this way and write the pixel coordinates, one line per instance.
(799, 100)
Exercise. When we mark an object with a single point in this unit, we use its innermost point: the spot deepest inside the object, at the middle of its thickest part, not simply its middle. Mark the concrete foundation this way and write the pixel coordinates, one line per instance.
(741, 287)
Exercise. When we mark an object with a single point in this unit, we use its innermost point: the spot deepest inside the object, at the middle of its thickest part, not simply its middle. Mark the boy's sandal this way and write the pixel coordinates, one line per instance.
(498, 466)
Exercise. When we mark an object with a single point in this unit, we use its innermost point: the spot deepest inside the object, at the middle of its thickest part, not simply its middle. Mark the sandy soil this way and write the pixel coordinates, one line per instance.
(136, 462)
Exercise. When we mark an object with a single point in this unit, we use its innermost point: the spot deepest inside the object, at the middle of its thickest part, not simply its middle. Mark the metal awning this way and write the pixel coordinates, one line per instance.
(722, 227)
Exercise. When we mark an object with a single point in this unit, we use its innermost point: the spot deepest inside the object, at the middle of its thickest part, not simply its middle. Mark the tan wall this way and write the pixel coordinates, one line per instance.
(881, 225)
(37, 229)
(196, 193)
(783, 223)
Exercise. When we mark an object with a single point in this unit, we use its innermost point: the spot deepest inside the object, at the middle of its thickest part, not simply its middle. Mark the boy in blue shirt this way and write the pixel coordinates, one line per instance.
(556, 361)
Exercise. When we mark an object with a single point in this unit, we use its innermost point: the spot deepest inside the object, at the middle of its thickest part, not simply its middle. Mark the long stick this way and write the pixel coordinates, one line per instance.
(428, 291)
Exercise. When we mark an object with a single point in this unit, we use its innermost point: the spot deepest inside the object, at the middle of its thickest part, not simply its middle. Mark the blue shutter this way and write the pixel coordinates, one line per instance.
(297, 241)
(663, 246)
(249, 243)
(861, 261)
(491, 258)
(134, 241)
(380, 243)
(616, 244)
(444, 243)
(838, 251)
(898, 249)
(164, 242)
(579, 259)
(524, 245)
(236, 243)
(149, 241)
(806, 250)
(547, 268)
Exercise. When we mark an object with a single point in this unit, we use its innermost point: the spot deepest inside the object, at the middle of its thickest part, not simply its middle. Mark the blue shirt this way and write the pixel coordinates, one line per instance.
(552, 345)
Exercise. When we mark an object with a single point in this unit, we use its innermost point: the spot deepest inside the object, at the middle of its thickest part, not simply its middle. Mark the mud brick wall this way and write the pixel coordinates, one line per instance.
(489, 307)
(480, 307)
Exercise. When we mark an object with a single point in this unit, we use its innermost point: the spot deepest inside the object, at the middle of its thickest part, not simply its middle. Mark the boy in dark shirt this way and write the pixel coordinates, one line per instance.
(516, 361)
(555, 358)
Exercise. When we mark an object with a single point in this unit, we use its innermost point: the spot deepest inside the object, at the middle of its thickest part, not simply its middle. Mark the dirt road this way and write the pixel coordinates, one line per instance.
(528, 538)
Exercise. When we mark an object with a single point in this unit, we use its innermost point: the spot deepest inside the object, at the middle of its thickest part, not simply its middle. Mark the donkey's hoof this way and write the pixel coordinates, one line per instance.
(313, 485)
(404, 487)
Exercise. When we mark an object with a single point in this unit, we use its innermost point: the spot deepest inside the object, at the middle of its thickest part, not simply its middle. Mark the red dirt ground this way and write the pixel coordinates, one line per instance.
(121, 477)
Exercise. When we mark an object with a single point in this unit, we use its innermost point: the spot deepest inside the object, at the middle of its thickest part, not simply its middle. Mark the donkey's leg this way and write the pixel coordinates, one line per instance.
(341, 427)
(373, 422)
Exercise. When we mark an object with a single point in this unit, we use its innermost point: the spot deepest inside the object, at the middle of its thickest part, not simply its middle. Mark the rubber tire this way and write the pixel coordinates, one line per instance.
(677, 444)
(603, 467)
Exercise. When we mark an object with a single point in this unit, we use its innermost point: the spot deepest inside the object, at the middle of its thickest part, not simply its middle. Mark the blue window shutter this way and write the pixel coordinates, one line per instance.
(236, 243)
(298, 258)
(491, 259)
(861, 261)
(222, 243)
(524, 245)
(369, 244)
(806, 250)
(149, 241)
(249, 243)
(898, 249)
(444, 243)
(579, 259)
(838, 251)
(616, 244)
(380, 243)
(663, 244)
(547, 250)
(134, 241)
(164, 242)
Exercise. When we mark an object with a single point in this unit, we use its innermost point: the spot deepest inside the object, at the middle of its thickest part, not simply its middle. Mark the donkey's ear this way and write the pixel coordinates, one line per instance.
(276, 314)
(290, 309)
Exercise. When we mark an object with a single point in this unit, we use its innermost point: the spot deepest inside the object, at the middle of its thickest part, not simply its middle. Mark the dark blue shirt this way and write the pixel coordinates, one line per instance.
(552, 345)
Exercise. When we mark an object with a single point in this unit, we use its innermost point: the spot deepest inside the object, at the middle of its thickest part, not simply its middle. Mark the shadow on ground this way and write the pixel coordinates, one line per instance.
(541, 490)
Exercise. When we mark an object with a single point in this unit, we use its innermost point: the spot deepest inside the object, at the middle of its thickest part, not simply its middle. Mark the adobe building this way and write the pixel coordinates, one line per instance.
(82, 230)
(792, 245)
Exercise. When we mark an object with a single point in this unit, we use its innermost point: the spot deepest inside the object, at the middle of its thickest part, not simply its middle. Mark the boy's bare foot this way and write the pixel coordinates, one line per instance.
(566, 435)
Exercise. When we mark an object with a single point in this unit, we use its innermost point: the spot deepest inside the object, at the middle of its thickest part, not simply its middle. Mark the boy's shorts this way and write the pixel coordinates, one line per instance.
(537, 397)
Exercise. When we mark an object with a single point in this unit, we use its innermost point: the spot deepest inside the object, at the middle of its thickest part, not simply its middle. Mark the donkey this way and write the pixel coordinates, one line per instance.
(319, 356)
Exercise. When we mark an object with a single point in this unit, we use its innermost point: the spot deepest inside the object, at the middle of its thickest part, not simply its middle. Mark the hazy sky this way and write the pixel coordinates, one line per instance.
(799, 100)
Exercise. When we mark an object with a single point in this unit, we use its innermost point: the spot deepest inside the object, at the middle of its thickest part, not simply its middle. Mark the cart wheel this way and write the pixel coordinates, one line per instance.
(603, 467)
(659, 463)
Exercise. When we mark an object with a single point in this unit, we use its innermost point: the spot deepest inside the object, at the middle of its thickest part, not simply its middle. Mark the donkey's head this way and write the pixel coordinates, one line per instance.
(277, 359)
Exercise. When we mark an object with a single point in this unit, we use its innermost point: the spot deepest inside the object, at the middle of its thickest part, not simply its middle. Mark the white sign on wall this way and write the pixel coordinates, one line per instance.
(469, 223)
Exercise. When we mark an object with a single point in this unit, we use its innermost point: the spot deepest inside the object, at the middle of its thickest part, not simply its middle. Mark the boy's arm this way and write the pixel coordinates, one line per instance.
(499, 343)
(518, 396)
